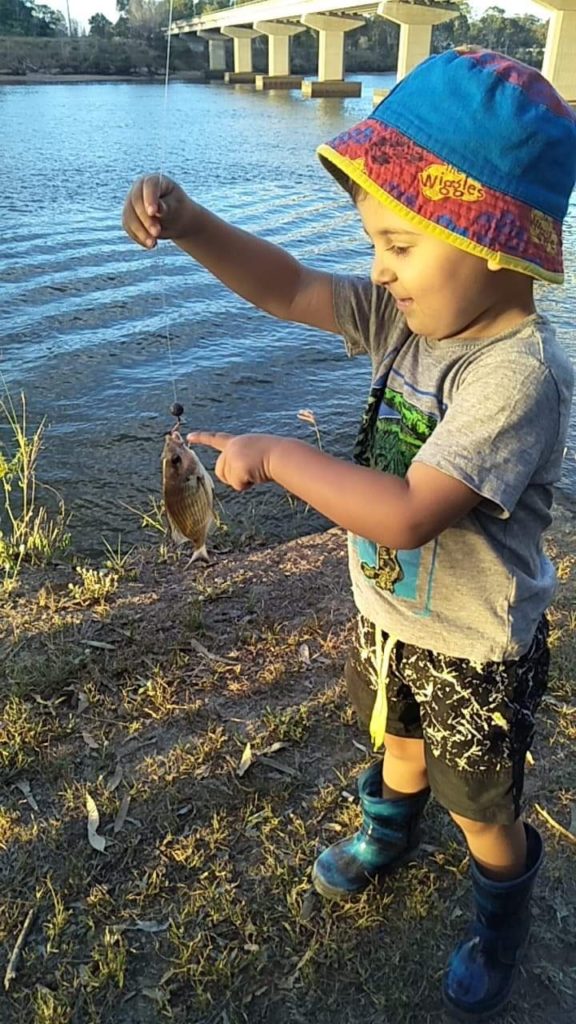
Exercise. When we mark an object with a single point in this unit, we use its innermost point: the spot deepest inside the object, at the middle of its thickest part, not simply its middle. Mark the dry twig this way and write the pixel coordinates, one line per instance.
(554, 824)
(17, 951)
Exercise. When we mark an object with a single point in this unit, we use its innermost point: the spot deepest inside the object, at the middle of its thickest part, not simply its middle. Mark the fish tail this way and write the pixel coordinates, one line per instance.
(200, 553)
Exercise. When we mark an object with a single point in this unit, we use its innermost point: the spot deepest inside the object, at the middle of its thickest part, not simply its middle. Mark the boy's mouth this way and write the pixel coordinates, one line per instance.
(403, 303)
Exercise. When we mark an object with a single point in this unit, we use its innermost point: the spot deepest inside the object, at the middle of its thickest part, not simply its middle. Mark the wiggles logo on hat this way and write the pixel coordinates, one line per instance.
(542, 231)
(440, 181)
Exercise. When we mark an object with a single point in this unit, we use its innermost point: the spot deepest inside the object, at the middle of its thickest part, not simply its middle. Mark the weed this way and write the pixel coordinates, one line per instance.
(32, 535)
(95, 586)
(117, 559)
(286, 724)
(108, 964)
(307, 416)
(152, 519)
(54, 927)
(50, 1007)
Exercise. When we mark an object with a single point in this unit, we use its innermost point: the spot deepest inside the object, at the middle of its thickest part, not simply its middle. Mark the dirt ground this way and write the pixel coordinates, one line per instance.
(201, 714)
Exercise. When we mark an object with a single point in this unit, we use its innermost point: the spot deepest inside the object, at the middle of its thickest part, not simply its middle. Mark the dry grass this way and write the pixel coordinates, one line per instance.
(199, 910)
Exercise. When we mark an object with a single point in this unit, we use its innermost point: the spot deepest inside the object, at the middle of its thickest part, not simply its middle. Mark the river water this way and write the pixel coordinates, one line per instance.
(84, 313)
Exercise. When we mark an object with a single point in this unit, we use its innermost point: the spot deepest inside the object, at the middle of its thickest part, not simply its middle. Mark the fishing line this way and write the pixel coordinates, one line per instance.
(163, 138)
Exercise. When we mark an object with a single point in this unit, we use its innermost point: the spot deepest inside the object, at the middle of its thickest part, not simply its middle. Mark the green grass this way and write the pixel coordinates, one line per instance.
(28, 532)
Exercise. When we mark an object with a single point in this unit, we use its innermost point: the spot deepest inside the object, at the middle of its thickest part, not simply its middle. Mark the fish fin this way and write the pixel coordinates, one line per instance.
(176, 534)
(206, 481)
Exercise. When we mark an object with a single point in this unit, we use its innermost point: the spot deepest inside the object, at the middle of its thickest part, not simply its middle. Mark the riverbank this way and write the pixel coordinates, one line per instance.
(41, 78)
(201, 713)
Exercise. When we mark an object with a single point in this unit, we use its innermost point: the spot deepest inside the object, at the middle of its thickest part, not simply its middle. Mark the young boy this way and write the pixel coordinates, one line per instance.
(461, 177)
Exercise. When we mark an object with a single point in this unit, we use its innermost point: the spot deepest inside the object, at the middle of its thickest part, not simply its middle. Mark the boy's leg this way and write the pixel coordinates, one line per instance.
(392, 798)
(404, 767)
(478, 722)
(499, 850)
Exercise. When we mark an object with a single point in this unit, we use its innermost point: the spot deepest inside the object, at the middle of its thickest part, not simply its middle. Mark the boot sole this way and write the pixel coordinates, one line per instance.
(486, 1015)
(331, 893)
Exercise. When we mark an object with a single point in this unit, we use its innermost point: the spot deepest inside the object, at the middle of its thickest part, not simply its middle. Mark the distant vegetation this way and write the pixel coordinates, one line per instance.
(35, 38)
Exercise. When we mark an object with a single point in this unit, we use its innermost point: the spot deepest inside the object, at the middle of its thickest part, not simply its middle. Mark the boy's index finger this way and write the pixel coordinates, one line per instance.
(217, 439)
(151, 194)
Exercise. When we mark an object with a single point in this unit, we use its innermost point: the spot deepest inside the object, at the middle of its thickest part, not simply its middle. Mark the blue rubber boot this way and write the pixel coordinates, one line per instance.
(388, 835)
(481, 971)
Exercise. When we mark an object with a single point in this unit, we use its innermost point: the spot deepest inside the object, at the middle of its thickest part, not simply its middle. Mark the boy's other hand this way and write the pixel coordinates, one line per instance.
(244, 459)
(155, 207)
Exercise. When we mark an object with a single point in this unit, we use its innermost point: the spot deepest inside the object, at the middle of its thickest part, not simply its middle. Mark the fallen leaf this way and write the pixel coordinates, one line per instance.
(96, 842)
(279, 767)
(155, 994)
(83, 702)
(304, 654)
(149, 926)
(361, 747)
(273, 747)
(24, 786)
(89, 740)
(310, 905)
(98, 643)
(245, 761)
(115, 779)
(122, 812)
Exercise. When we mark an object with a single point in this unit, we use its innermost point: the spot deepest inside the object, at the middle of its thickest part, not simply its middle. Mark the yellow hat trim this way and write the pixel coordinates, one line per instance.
(354, 169)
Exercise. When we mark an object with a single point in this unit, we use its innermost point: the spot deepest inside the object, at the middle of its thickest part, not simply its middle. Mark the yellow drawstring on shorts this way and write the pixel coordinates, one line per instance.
(380, 709)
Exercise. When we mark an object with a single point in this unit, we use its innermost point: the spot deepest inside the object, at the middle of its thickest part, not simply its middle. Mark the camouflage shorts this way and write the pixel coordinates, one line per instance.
(476, 720)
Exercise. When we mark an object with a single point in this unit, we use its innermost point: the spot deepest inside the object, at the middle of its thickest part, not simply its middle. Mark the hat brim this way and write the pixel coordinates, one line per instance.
(444, 202)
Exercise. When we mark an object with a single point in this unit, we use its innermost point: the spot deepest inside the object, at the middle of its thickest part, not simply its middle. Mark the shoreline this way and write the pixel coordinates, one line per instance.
(45, 78)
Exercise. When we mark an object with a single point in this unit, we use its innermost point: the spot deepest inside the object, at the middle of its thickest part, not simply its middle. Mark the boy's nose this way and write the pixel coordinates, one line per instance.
(381, 274)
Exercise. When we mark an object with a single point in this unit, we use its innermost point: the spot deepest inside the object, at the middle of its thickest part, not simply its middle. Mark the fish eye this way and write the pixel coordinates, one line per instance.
(176, 460)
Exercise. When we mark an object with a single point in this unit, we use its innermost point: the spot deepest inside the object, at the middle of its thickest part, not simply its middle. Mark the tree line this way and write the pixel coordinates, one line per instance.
(135, 41)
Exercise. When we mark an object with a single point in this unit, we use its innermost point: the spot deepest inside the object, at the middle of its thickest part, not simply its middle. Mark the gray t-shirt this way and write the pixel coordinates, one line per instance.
(492, 413)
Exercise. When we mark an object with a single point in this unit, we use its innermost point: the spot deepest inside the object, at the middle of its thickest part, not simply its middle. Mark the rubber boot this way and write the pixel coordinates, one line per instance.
(481, 970)
(388, 835)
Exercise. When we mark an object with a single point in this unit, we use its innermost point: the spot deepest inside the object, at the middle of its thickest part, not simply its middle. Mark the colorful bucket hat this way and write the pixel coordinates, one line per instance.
(474, 148)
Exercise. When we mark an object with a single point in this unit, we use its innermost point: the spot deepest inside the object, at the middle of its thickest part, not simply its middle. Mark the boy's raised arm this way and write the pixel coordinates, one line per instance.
(262, 273)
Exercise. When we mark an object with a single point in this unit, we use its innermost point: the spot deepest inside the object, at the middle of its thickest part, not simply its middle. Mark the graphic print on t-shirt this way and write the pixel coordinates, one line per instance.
(391, 433)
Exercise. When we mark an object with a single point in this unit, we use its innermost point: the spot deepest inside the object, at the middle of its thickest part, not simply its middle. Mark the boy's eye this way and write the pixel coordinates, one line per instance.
(398, 250)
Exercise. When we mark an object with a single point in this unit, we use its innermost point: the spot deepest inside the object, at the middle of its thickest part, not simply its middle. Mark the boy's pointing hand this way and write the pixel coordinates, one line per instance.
(244, 459)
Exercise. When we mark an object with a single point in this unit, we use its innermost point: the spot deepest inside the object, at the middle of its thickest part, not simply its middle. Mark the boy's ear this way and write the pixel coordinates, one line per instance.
(493, 265)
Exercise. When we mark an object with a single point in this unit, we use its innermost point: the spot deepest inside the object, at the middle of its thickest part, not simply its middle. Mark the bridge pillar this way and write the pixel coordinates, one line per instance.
(216, 52)
(242, 53)
(559, 64)
(279, 34)
(331, 29)
(415, 30)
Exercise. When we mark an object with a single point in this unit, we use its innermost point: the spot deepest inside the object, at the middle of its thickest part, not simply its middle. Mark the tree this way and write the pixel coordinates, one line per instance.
(27, 18)
(100, 26)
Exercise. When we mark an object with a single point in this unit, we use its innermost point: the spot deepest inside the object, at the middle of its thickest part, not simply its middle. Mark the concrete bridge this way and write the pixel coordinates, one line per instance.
(279, 20)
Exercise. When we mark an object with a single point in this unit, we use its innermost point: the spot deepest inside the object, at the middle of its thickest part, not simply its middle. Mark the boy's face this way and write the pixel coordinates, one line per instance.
(442, 291)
